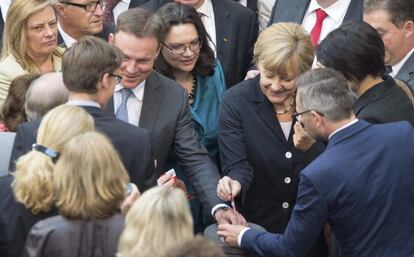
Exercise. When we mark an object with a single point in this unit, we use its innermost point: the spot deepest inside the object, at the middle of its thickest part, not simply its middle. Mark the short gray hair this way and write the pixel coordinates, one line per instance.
(326, 91)
(44, 94)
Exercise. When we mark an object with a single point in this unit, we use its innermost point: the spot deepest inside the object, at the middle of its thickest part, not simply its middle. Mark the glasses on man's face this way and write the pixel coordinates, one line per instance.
(297, 115)
(180, 49)
(117, 78)
(91, 7)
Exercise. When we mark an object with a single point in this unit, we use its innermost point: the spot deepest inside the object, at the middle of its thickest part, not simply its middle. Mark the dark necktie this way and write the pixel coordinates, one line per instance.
(108, 11)
(316, 31)
(388, 70)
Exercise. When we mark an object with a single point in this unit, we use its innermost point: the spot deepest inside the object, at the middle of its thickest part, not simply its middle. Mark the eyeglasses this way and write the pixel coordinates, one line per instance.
(297, 115)
(117, 78)
(180, 49)
(91, 7)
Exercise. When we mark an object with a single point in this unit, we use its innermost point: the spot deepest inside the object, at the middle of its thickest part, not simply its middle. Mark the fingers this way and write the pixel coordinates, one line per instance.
(166, 180)
(235, 188)
(130, 199)
(224, 188)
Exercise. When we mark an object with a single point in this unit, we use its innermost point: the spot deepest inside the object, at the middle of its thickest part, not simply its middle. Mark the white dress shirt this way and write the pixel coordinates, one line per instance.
(336, 14)
(397, 67)
(209, 22)
(69, 41)
(121, 7)
(134, 103)
(4, 4)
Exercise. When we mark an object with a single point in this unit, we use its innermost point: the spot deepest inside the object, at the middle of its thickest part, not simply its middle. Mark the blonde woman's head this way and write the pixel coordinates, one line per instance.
(90, 180)
(157, 221)
(284, 49)
(33, 178)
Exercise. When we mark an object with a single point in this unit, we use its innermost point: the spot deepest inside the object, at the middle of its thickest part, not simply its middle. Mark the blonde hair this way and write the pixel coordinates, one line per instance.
(15, 31)
(33, 178)
(157, 221)
(283, 48)
(90, 180)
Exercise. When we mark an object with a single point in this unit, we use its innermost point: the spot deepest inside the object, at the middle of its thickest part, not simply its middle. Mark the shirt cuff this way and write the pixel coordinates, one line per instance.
(220, 205)
(239, 238)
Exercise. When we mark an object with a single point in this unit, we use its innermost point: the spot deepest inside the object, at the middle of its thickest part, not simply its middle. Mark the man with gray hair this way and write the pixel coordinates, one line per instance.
(358, 184)
(44, 94)
(394, 21)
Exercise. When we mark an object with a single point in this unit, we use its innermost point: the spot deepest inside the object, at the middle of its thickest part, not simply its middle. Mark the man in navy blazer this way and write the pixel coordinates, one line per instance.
(358, 184)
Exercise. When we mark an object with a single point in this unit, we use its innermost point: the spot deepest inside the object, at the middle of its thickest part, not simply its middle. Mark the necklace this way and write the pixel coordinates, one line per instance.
(192, 94)
(292, 101)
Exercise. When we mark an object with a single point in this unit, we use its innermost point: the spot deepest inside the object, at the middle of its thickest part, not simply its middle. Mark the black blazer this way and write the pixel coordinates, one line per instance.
(236, 32)
(104, 34)
(15, 220)
(133, 144)
(385, 102)
(166, 114)
(255, 152)
(295, 10)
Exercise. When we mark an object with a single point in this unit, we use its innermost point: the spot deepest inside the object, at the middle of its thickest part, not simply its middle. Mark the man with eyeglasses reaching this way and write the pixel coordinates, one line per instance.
(79, 18)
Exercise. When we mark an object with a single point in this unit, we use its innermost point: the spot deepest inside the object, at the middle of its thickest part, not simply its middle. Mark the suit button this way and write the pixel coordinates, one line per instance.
(285, 205)
(288, 180)
(288, 155)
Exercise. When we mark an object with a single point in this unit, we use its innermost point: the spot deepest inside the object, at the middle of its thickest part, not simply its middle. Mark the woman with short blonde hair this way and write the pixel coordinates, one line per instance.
(29, 42)
(157, 221)
(262, 146)
(89, 183)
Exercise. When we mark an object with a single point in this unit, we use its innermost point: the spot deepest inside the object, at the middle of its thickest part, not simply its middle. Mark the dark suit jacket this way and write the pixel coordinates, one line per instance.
(255, 152)
(295, 10)
(165, 113)
(236, 32)
(59, 236)
(133, 144)
(406, 72)
(1, 28)
(385, 102)
(107, 29)
(363, 185)
(15, 220)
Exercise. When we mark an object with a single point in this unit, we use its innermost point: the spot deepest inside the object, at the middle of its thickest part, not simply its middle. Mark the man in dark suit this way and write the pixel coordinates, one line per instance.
(160, 105)
(358, 184)
(235, 32)
(90, 72)
(305, 11)
(80, 18)
(394, 21)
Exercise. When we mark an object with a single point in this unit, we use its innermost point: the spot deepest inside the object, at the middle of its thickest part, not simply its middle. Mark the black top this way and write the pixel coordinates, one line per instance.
(384, 102)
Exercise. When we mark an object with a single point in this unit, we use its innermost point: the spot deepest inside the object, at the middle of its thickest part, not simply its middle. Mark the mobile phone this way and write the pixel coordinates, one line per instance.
(129, 188)
(171, 173)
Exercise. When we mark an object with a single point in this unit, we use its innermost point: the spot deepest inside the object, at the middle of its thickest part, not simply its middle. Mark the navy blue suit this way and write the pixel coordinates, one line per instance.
(362, 184)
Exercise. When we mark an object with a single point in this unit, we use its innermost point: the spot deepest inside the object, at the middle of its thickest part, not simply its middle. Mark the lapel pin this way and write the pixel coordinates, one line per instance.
(225, 40)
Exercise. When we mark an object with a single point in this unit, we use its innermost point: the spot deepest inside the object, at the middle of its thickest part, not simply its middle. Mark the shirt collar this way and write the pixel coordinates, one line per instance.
(77, 102)
(69, 41)
(342, 128)
(397, 67)
(336, 11)
(138, 91)
(205, 8)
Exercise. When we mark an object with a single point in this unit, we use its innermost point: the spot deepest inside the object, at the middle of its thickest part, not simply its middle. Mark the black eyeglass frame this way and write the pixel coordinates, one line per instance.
(190, 46)
(87, 7)
(297, 114)
(118, 78)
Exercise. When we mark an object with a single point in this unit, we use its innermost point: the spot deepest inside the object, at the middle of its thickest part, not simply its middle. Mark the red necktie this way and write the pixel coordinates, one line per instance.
(108, 11)
(316, 31)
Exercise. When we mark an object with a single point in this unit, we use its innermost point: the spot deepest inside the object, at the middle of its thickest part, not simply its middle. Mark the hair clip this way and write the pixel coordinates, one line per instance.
(53, 154)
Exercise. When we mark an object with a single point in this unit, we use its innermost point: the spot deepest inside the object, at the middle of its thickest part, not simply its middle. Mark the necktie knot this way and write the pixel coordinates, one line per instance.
(125, 93)
(122, 112)
(320, 15)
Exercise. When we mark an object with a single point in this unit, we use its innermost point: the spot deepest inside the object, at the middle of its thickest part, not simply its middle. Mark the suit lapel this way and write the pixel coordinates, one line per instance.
(354, 11)
(407, 69)
(109, 108)
(300, 10)
(264, 110)
(224, 27)
(151, 102)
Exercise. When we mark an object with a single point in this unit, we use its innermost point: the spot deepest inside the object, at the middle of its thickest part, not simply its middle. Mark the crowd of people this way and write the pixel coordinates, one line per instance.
(138, 124)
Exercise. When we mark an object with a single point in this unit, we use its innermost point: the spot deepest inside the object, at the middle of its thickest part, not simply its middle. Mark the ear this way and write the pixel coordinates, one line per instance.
(318, 119)
(60, 10)
(409, 29)
(111, 39)
(105, 81)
